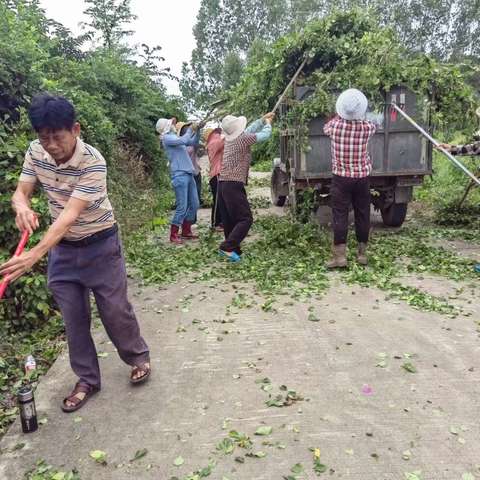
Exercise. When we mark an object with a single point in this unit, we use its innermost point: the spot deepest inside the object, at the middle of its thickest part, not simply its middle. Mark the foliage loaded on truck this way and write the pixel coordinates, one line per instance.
(344, 50)
(400, 155)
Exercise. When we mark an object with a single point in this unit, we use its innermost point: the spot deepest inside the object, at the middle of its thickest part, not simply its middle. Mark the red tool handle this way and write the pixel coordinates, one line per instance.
(21, 245)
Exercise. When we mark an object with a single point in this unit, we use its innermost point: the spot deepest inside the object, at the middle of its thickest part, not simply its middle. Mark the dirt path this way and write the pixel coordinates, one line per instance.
(218, 357)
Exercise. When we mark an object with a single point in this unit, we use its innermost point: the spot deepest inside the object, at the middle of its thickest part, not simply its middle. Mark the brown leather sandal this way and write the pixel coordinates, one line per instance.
(88, 390)
(140, 368)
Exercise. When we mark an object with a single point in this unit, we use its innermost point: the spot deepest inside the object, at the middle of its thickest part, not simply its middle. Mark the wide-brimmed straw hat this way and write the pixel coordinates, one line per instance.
(180, 125)
(352, 104)
(207, 133)
(233, 127)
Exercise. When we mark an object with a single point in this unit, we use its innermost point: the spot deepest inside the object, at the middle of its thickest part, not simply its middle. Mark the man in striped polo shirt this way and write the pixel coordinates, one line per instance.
(83, 245)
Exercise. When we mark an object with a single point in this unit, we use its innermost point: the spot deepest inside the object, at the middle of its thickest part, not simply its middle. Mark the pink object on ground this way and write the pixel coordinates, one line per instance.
(367, 390)
(21, 245)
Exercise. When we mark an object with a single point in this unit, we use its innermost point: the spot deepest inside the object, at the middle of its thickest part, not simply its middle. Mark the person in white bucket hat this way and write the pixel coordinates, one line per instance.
(182, 175)
(350, 133)
(232, 197)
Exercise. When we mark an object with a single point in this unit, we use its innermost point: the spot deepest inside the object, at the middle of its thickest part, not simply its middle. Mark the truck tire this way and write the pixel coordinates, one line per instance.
(394, 215)
(277, 190)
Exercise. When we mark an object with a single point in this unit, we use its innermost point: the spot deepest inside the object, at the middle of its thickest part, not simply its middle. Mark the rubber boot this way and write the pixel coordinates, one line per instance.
(362, 254)
(187, 233)
(174, 236)
(339, 256)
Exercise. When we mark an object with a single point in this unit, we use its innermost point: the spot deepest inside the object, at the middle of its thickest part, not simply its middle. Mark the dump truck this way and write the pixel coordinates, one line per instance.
(400, 155)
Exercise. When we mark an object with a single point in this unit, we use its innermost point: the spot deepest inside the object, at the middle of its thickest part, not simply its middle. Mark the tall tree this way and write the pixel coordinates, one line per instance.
(226, 29)
(224, 32)
(109, 18)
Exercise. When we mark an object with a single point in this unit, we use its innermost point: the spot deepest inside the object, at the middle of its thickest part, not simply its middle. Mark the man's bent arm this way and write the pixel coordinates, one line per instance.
(61, 225)
(26, 218)
(17, 266)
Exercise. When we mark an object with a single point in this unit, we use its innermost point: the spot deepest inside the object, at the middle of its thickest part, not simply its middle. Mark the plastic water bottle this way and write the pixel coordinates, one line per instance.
(30, 364)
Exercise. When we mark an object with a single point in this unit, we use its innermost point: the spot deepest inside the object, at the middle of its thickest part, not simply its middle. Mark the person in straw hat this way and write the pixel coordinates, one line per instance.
(181, 172)
(183, 128)
(232, 197)
(350, 133)
(215, 144)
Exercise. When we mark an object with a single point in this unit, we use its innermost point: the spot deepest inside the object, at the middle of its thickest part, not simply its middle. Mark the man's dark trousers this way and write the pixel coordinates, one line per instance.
(346, 191)
(236, 214)
(74, 271)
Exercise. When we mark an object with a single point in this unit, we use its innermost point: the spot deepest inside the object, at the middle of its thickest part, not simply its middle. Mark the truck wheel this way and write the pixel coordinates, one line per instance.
(394, 215)
(277, 190)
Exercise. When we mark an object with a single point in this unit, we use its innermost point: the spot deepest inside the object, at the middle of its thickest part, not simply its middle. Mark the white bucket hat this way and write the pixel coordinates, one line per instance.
(352, 104)
(164, 125)
(233, 127)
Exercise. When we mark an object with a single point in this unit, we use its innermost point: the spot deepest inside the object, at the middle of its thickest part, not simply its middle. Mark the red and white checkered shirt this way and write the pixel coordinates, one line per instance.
(236, 158)
(350, 138)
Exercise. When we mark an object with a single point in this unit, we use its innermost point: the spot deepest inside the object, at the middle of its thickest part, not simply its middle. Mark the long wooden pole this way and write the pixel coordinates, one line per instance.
(436, 143)
(282, 96)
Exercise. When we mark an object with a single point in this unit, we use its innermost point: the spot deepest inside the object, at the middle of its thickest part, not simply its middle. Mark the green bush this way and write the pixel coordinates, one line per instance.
(117, 103)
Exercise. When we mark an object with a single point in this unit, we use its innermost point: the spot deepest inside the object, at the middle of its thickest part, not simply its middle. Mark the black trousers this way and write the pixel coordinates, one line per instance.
(346, 191)
(198, 183)
(216, 218)
(236, 214)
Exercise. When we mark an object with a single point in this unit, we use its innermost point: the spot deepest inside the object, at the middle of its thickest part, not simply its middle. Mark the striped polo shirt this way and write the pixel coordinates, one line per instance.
(84, 177)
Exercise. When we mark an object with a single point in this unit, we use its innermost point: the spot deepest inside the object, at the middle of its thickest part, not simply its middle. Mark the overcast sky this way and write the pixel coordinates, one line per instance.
(160, 22)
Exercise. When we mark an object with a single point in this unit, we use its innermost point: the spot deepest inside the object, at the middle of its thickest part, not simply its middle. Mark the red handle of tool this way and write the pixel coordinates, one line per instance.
(21, 245)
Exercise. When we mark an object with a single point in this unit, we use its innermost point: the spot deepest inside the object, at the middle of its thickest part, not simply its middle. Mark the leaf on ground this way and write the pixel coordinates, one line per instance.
(316, 453)
(416, 475)
(99, 456)
(264, 430)
(454, 430)
(179, 461)
(349, 451)
(319, 467)
(43, 421)
(409, 367)
(313, 318)
(77, 419)
(297, 468)
(102, 354)
(226, 446)
(406, 454)
(139, 454)
(18, 446)
(256, 454)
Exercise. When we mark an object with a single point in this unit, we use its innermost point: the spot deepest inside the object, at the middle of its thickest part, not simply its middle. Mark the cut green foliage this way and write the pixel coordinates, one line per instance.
(286, 253)
(44, 471)
(297, 468)
(99, 456)
(264, 430)
(409, 367)
(179, 461)
(226, 446)
(285, 398)
(242, 440)
(139, 454)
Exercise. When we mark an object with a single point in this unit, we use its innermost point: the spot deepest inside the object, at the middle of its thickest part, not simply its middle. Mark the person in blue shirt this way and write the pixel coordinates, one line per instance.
(182, 175)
